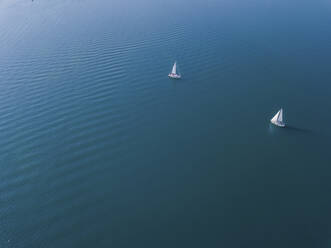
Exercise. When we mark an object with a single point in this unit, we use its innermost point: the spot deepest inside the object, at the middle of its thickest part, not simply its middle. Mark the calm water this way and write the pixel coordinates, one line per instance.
(98, 148)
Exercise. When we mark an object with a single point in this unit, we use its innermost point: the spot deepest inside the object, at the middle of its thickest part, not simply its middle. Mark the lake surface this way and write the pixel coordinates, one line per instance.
(98, 148)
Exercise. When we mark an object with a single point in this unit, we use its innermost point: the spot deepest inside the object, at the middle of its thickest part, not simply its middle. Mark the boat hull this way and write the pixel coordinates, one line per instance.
(278, 124)
(174, 76)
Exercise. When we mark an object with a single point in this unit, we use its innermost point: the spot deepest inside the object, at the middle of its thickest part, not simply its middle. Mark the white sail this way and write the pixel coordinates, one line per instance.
(174, 74)
(280, 115)
(174, 69)
(278, 119)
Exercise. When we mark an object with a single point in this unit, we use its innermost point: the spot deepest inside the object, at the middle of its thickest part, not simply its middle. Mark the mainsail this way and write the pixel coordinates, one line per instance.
(280, 115)
(174, 69)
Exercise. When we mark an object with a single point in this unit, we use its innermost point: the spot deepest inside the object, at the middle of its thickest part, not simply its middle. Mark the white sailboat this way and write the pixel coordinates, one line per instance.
(173, 73)
(278, 119)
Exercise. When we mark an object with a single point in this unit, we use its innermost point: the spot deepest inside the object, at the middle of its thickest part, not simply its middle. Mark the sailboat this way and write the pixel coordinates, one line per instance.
(278, 119)
(173, 73)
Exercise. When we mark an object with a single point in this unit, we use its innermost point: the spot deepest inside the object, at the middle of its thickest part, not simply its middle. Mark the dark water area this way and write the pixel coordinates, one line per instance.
(99, 148)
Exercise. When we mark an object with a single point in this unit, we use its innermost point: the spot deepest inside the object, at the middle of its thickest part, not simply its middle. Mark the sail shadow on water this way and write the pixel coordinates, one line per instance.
(291, 128)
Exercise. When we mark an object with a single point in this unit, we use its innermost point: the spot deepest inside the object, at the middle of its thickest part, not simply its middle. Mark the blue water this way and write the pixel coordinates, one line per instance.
(98, 148)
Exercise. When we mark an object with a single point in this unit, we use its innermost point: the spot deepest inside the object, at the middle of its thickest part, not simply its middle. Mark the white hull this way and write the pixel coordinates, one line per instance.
(175, 76)
(278, 124)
